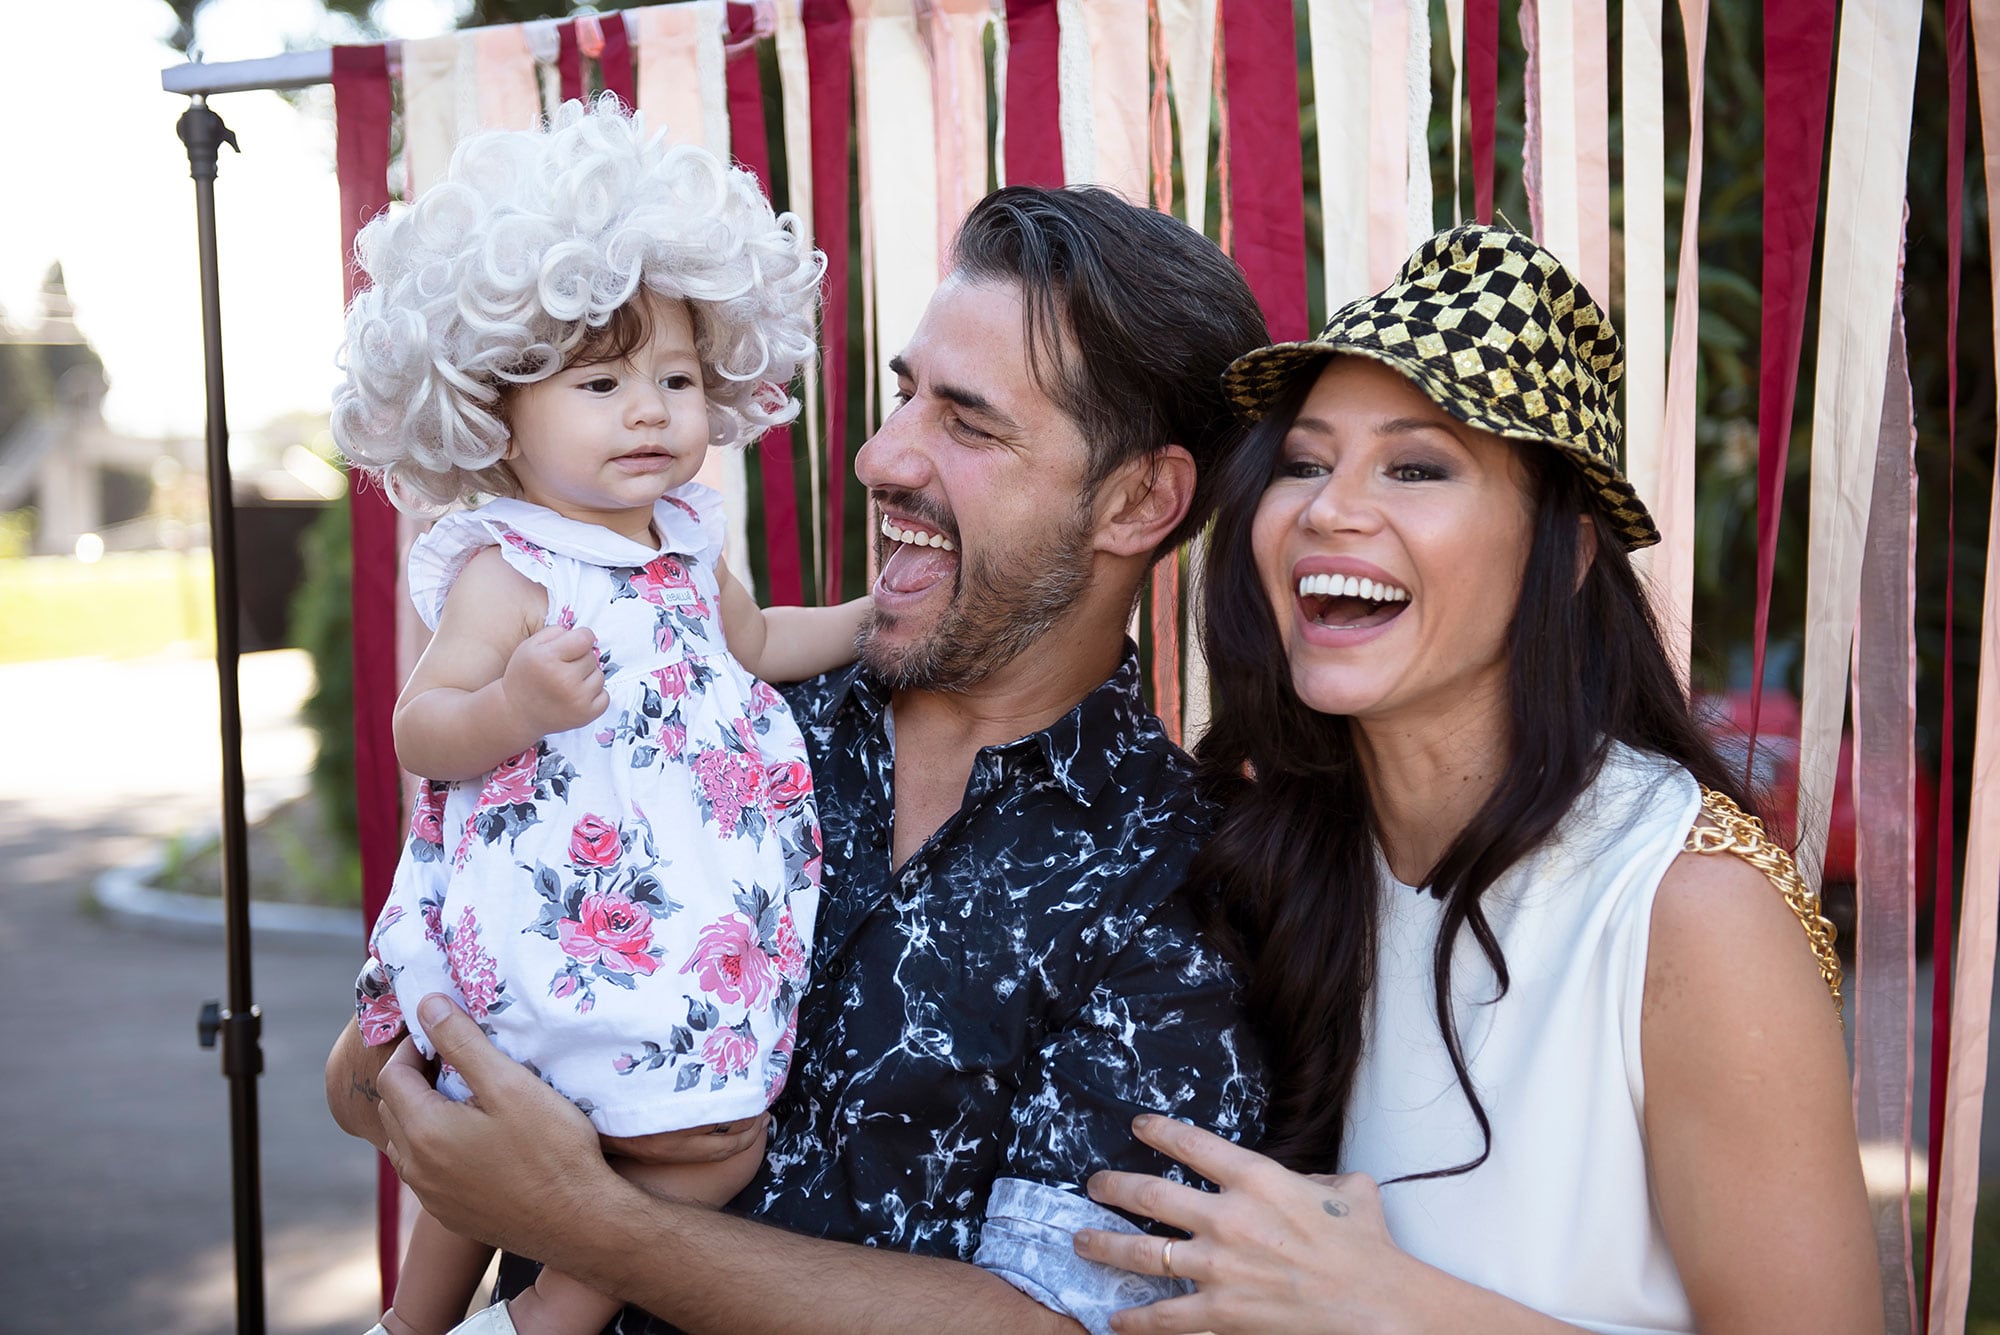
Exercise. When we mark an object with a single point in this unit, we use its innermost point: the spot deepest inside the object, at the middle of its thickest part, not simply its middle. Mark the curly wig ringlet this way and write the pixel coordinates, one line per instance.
(506, 269)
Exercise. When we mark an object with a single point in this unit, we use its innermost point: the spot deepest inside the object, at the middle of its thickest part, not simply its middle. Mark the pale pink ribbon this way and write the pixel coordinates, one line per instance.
(1532, 119)
(953, 34)
(1645, 171)
(1189, 27)
(1884, 982)
(680, 83)
(1555, 129)
(1593, 148)
(1388, 142)
(510, 89)
(1875, 73)
(1120, 101)
(1972, 989)
(1671, 564)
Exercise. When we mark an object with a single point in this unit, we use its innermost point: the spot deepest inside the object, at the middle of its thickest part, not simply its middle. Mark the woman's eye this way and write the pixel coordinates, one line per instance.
(1417, 473)
(1299, 468)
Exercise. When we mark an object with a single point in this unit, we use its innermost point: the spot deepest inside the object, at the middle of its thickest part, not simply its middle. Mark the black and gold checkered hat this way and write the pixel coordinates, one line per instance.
(1494, 330)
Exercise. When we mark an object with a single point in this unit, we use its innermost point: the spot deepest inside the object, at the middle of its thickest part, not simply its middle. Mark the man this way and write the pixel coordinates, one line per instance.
(1003, 974)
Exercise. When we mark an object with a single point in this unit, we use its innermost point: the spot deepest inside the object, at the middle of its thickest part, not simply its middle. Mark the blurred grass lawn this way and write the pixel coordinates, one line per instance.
(126, 605)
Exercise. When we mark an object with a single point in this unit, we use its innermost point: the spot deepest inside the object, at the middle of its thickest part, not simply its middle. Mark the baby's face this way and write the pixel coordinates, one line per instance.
(600, 442)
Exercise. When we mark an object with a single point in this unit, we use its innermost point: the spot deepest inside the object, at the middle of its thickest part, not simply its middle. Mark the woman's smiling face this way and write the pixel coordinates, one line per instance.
(1391, 542)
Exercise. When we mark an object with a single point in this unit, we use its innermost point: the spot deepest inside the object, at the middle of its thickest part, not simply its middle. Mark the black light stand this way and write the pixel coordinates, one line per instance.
(240, 1024)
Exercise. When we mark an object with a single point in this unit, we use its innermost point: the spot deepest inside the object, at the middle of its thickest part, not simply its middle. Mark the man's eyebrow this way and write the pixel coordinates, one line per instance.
(969, 400)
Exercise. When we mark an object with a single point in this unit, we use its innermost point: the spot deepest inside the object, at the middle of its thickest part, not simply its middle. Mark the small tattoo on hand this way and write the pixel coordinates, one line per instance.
(1334, 1208)
(365, 1088)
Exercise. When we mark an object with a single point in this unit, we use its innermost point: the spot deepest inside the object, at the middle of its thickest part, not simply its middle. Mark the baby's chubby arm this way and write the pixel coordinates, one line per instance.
(787, 643)
(494, 680)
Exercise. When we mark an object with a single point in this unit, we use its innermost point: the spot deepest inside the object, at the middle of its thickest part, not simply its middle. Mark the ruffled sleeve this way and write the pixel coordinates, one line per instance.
(438, 557)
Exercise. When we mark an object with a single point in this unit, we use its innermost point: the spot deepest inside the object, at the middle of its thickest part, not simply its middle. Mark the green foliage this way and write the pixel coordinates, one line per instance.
(322, 620)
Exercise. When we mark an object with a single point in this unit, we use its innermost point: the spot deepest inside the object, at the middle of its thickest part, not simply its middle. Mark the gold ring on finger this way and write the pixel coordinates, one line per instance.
(1167, 1259)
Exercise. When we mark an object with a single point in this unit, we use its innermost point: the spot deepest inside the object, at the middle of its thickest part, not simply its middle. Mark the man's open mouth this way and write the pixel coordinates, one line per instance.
(920, 556)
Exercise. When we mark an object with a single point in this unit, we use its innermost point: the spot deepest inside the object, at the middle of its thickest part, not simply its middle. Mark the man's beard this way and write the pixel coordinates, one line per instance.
(998, 608)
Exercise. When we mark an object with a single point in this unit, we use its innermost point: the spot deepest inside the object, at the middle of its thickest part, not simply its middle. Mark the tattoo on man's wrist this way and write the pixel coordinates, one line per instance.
(1334, 1208)
(365, 1088)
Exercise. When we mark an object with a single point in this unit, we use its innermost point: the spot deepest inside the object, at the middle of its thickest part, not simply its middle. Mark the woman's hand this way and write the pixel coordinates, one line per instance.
(1273, 1250)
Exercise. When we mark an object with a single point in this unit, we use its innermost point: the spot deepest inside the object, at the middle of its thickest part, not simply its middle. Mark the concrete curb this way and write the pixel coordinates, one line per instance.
(128, 893)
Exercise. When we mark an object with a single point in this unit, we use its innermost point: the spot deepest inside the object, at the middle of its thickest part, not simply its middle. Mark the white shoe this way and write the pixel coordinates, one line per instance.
(493, 1321)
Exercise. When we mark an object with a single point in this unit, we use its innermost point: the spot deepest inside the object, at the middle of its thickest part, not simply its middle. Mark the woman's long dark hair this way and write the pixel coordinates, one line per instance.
(1290, 885)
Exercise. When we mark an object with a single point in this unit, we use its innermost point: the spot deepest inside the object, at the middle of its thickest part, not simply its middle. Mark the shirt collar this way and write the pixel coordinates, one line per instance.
(1079, 750)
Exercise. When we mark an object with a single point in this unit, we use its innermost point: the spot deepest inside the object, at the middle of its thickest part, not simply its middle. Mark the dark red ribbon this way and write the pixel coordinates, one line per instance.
(1267, 187)
(1034, 95)
(614, 63)
(784, 578)
(569, 62)
(1956, 13)
(830, 63)
(1798, 65)
(361, 103)
(1482, 82)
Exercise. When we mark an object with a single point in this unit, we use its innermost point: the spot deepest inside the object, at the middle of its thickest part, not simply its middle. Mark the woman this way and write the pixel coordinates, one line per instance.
(1577, 1070)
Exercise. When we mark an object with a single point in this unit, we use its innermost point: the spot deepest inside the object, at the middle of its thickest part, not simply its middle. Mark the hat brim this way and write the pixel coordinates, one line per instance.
(1255, 381)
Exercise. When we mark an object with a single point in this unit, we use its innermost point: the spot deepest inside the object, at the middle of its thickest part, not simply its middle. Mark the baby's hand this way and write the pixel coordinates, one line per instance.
(553, 681)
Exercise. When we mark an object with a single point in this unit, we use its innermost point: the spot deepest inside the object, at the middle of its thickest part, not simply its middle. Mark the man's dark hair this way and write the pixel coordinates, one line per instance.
(1131, 318)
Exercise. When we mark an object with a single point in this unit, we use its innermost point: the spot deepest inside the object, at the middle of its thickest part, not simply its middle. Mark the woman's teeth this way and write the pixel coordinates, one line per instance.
(1348, 586)
(894, 533)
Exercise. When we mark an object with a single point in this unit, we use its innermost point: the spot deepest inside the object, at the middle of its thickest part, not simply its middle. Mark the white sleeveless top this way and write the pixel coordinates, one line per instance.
(1561, 1216)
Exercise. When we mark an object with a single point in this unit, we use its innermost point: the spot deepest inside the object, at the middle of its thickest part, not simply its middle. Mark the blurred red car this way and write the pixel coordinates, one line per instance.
(1775, 781)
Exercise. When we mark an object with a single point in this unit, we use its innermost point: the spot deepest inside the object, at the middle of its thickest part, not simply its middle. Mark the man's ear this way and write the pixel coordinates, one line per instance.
(1586, 549)
(1143, 500)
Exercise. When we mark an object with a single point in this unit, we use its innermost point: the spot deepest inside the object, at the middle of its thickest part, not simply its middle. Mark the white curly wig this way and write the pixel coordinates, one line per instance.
(502, 271)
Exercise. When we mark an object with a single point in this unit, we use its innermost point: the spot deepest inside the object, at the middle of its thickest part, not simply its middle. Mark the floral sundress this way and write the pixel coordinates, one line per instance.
(628, 907)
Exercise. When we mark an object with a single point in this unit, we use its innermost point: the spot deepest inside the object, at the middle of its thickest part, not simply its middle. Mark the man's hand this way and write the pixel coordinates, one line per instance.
(516, 1166)
(553, 680)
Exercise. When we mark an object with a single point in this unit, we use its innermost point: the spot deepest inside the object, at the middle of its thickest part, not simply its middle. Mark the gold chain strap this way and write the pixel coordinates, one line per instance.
(1736, 831)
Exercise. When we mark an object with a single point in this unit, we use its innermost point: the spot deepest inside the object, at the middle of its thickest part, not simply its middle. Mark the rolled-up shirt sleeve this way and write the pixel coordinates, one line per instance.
(1162, 1031)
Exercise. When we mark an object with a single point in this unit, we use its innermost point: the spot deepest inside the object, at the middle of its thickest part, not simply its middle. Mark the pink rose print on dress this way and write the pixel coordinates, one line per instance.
(660, 576)
(381, 1019)
(594, 843)
(526, 548)
(730, 1051)
(779, 1064)
(789, 951)
(427, 817)
(683, 507)
(729, 964)
(790, 783)
(472, 969)
(612, 931)
(567, 617)
(729, 787)
(763, 699)
(513, 780)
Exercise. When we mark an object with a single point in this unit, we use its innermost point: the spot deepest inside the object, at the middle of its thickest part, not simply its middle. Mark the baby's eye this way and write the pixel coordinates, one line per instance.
(678, 381)
(599, 384)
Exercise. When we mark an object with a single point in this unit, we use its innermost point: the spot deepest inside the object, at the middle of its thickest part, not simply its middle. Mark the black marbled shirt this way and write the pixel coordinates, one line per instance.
(1004, 1003)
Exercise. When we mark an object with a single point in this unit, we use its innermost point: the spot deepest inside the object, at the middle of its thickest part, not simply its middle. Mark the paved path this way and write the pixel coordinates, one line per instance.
(114, 1124)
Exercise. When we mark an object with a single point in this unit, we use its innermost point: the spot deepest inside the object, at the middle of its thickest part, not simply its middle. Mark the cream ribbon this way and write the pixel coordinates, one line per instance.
(1875, 74)
(1190, 31)
(1645, 169)
(1671, 566)
(899, 191)
(1556, 224)
(794, 88)
(1119, 106)
(1972, 976)
(1454, 27)
(1076, 113)
(1419, 213)
(1341, 34)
